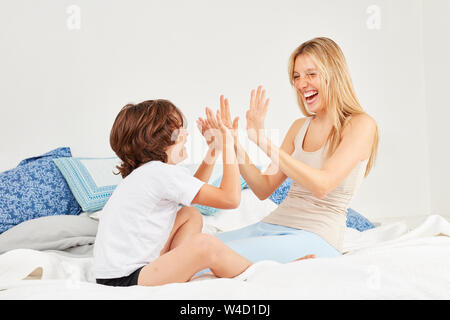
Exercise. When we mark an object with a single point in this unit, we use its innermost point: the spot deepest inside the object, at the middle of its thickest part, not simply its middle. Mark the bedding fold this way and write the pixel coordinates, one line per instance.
(74, 234)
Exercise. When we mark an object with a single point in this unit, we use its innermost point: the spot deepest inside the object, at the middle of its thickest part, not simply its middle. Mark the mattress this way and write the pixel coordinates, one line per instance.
(391, 261)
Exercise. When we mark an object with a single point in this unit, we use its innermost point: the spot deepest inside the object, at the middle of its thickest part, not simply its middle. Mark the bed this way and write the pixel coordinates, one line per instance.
(50, 206)
(391, 261)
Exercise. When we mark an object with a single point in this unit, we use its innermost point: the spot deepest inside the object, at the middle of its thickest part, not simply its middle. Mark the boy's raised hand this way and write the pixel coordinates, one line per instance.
(221, 121)
(203, 127)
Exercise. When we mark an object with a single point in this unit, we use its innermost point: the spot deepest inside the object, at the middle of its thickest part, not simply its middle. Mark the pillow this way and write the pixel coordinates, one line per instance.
(358, 221)
(59, 232)
(35, 188)
(280, 194)
(209, 211)
(216, 178)
(354, 219)
(91, 180)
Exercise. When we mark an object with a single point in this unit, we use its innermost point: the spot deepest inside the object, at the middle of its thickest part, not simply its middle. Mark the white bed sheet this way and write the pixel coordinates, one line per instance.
(388, 262)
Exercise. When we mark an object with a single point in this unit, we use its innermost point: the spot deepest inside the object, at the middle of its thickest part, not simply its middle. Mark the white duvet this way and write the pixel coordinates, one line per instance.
(388, 262)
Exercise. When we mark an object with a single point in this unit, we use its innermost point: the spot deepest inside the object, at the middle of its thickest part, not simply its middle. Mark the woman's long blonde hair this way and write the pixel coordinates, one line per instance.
(337, 89)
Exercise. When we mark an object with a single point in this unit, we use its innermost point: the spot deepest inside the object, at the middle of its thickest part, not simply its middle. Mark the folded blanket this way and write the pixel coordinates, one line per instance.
(73, 234)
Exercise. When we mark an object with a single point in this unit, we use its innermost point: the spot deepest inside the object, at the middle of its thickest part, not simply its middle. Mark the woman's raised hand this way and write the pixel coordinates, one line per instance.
(257, 113)
(215, 122)
(225, 115)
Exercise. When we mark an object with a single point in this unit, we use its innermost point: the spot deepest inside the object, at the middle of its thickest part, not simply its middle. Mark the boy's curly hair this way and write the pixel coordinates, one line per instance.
(142, 132)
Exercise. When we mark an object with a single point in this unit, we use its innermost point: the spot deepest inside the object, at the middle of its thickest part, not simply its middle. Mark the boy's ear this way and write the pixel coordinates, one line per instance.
(175, 135)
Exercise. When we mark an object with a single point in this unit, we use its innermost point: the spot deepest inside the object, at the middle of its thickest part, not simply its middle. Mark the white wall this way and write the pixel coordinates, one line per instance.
(436, 21)
(64, 87)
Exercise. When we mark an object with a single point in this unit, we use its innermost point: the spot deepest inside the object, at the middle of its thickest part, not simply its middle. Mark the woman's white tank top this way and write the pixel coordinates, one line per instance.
(302, 210)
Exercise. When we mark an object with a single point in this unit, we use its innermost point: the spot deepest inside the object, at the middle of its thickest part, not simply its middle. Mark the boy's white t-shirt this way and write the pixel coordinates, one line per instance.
(137, 220)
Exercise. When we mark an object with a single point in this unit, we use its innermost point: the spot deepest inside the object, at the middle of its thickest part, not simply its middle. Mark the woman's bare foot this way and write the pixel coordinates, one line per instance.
(308, 256)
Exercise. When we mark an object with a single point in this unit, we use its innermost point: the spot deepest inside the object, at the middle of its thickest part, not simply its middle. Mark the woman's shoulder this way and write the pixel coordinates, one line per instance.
(298, 123)
(363, 128)
(362, 117)
(295, 127)
(361, 122)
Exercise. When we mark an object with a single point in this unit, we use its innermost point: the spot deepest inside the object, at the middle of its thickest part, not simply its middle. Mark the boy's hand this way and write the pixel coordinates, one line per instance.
(214, 128)
(203, 127)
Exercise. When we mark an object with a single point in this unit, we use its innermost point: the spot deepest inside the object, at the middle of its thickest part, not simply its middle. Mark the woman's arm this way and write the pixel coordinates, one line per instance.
(355, 146)
(264, 184)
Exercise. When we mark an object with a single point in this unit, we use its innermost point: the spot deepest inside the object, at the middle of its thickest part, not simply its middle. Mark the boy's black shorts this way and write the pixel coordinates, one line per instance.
(130, 280)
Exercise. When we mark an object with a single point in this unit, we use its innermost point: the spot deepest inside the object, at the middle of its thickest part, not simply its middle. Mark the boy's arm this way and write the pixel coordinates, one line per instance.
(205, 170)
(228, 194)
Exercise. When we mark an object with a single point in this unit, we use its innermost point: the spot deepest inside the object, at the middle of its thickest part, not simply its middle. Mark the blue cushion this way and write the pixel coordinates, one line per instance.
(209, 211)
(357, 221)
(354, 219)
(35, 188)
(91, 180)
(280, 194)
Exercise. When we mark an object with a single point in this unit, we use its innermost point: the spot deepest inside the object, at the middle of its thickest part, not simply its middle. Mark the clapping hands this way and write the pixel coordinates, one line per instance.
(222, 123)
(216, 128)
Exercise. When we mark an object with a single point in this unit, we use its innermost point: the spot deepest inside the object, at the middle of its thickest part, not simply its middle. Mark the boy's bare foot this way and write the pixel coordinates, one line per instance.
(308, 256)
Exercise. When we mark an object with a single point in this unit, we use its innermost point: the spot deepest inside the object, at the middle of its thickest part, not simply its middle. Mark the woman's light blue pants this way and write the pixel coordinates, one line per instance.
(266, 241)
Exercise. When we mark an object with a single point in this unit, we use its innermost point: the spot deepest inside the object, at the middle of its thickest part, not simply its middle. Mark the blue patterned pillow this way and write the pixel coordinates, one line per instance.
(35, 188)
(280, 194)
(354, 219)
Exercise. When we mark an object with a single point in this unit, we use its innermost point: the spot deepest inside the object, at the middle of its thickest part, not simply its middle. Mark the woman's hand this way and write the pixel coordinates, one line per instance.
(226, 118)
(257, 114)
(215, 123)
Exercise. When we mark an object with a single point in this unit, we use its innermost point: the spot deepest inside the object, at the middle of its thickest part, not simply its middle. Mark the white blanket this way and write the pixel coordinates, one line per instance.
(388, 262)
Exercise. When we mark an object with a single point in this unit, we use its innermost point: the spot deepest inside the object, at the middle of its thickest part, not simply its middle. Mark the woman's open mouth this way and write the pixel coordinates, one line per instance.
(311, 96)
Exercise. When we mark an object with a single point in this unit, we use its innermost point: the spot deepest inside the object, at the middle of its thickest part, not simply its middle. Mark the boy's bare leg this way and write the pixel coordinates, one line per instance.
(188, 222)
(198, 252)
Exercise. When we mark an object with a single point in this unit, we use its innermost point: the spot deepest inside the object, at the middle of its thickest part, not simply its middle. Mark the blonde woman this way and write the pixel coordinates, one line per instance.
(327, 153)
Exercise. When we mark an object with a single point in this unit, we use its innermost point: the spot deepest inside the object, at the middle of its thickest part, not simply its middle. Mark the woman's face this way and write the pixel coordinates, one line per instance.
(308, 83)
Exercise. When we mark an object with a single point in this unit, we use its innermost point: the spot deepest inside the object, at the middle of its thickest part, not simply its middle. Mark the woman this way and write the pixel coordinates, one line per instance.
(327, 153)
